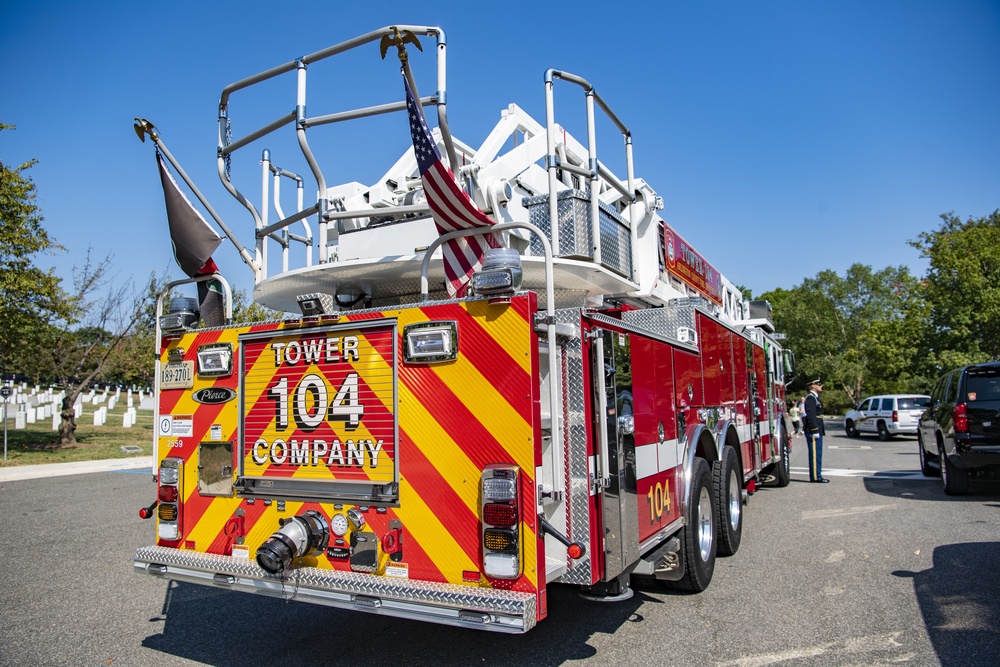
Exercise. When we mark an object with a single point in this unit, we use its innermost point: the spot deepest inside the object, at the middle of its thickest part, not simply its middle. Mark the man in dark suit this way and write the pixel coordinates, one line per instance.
(815, 431)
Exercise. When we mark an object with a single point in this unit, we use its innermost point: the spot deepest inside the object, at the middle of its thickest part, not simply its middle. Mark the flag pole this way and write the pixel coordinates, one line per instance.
(142, 128)
(399, 38)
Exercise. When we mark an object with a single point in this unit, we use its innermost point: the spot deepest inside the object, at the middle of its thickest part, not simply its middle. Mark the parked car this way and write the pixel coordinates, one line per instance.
(887, 415)
(959, 433)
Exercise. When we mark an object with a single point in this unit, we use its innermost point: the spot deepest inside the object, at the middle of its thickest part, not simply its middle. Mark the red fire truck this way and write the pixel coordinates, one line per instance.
(589, 401)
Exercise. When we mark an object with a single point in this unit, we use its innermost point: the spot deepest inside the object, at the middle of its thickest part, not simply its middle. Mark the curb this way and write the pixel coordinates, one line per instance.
(17, 473)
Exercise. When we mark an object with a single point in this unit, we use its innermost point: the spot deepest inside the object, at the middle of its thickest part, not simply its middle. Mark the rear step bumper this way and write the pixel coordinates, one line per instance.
(449, 604)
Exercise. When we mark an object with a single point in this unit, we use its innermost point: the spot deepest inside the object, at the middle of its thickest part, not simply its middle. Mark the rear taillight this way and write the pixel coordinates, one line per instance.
(895, 416)
(960, 418)
(169, 512)
(497, 514)
(500, 513)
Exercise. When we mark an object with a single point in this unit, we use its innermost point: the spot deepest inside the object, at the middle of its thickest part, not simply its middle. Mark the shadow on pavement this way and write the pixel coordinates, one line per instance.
(959, 602)
(928, 489)
(227, 628)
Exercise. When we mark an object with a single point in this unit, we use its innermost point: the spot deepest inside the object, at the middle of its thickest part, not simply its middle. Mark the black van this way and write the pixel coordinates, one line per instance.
(959, 433)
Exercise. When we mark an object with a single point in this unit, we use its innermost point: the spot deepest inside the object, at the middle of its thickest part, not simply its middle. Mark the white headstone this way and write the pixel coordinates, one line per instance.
(56, 419)
(127, 420)
(19, 420)
(30, 412)
(78, 410)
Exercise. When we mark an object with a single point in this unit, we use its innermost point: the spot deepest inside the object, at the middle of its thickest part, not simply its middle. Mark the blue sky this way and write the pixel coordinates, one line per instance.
(786, 137)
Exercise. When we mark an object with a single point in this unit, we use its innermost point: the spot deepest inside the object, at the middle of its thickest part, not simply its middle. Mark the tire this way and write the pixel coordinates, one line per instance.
(852, 431)
(698, 536)
(954, 479)
(783, 468)
(925, 467)
(728, 493)
(883, 432)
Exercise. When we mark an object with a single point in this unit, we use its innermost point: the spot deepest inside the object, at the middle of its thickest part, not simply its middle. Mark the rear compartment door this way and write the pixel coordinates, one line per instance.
(319, 413)
(614, 397)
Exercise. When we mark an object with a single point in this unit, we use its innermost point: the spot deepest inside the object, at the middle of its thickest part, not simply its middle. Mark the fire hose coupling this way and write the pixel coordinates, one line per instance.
(302, 535)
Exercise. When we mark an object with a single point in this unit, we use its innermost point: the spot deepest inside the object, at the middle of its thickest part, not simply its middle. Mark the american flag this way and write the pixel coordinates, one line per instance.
(451, 207)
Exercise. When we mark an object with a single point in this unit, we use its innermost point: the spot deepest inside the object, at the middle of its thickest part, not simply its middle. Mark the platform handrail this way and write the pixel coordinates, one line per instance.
(158, 335)
(596, 170)
(227, 145)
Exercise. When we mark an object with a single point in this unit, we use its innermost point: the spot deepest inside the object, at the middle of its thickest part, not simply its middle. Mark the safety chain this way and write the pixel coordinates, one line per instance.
(295, 589)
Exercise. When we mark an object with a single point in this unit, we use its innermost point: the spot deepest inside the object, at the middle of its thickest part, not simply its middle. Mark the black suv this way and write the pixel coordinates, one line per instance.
(959, 433)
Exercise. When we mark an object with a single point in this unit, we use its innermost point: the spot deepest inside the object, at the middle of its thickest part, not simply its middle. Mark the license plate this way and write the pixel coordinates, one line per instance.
(177, 375)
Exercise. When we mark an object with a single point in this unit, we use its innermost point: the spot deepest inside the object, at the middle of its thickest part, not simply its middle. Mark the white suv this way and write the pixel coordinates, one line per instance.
(888, 415)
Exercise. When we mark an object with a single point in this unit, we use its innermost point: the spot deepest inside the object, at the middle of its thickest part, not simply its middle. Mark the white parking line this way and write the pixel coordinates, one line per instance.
(879, 474)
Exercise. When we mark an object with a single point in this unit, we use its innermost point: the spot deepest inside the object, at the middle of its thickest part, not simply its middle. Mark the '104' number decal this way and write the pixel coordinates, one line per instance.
(311, 402)
(659, 500)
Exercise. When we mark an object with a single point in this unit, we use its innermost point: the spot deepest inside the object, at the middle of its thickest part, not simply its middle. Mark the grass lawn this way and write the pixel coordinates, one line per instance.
(36, 443)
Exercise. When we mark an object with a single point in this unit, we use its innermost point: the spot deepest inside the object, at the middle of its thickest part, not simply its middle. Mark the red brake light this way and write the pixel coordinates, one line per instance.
(504, 516)
(167, 494)
(961, 418)
(895, 416)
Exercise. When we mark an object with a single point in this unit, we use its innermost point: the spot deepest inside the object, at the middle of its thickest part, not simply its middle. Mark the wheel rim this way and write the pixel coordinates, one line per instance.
(735, 502)
(705, 536)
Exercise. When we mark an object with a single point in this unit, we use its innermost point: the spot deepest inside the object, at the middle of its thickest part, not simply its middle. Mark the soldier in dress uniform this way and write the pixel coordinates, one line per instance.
(815, 431)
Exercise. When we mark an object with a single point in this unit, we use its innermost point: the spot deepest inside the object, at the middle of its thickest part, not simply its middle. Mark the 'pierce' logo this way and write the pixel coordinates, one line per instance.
(214, 395)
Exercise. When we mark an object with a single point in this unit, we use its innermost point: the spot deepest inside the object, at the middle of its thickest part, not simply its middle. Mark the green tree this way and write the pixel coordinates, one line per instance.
(962, 289)
(133, 361)
(247, 311)
(858, 332)
(84, 336)
(27, 293)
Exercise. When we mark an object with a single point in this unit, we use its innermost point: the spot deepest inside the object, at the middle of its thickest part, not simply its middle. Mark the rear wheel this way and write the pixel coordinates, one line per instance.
(728, 502)
(698, 536)
(883, 432)
(852, 430)
(954, 479)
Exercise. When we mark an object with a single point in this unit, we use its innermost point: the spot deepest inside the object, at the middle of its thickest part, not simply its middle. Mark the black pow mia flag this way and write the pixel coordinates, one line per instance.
(194, 241)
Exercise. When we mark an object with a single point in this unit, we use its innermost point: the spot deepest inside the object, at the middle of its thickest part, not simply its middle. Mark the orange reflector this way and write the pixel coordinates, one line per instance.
(168, 512)
(504, 516)
(499, 540)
